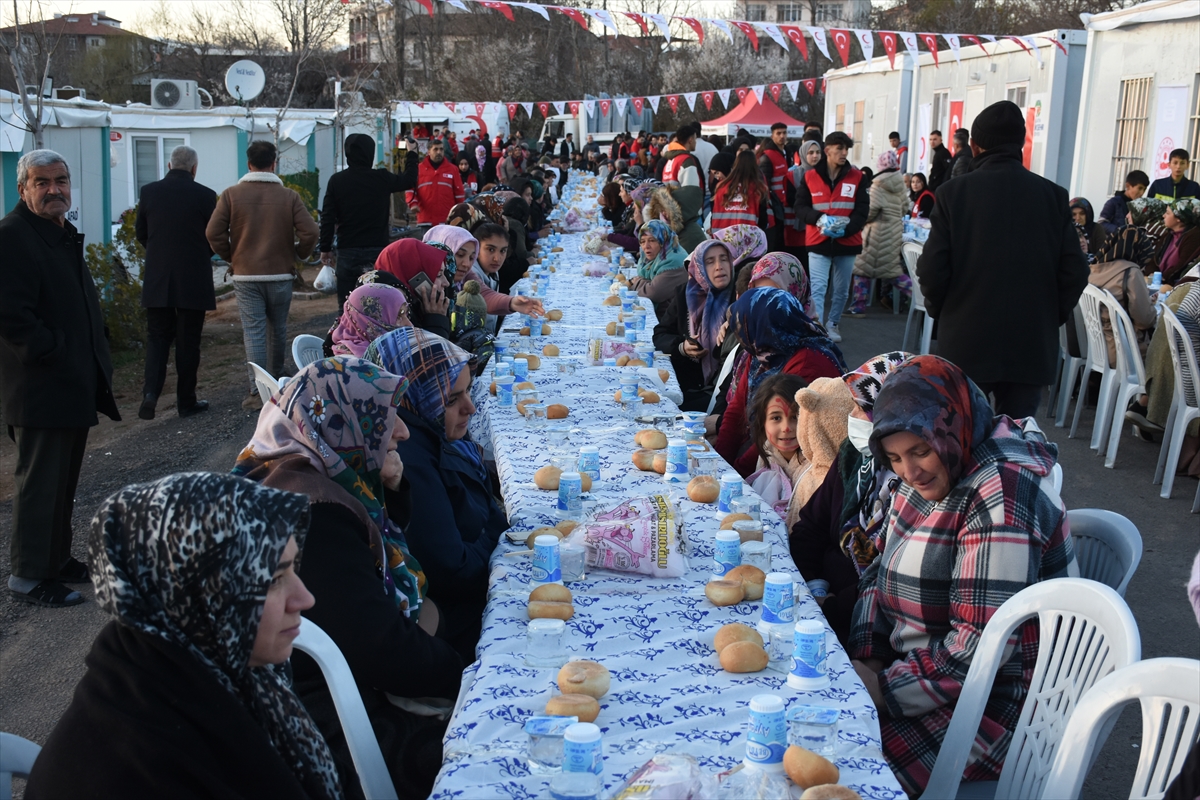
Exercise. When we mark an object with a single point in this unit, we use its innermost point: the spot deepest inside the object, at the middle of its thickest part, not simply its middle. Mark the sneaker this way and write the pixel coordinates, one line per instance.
(48, 593)
(1139, 418)
(834, 335)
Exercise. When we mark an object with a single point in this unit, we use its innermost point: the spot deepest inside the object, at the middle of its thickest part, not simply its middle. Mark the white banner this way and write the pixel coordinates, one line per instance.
(690, 97)
(653, 100)
(528, 108)
(723, 25)
(534, 7)
(759, 91)
(952, 40)
(1170, 127)
(724, 95)
(621, 102)
(910, 41)
(605, 18)
(818, 35)
(559, 105)
(590, 107)
(773, 31)
(866, 40)
(793, 87)
(663, 24)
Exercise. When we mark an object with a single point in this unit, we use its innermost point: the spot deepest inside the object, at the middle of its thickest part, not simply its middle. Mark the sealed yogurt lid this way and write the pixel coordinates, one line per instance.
(549, 726)
(815, 715)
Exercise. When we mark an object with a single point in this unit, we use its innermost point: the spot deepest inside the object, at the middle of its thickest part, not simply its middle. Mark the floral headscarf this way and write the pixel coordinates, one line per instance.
(491, 207)
(1127, 243)
(370, 311)
(706, 306)
(189, 559)
(338, 413)
(866, 381)
(670, 257)
(481, 155)
(932, 398)
(629, 184)
(1146, 210)
(1187, 209)
(464, 215)
(887, 160)
(785, 271)
(744, 242)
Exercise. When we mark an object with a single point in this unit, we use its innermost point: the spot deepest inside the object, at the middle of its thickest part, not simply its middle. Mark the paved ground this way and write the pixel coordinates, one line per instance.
(42, 651)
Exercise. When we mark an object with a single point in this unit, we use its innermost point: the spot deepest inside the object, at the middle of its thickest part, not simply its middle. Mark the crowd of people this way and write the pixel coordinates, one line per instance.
(916, 490)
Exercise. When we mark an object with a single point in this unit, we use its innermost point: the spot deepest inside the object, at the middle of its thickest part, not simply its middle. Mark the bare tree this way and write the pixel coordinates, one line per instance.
(29, 53)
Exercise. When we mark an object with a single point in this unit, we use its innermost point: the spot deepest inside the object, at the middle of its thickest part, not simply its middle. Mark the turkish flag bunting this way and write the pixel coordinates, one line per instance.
(841, 40)
(695, 25)
(975, 41)
(640, 20)
(503, 8)
(794, 33)
(794, 88)
(724, 95)
(425, 4)
(776, 89)
(605, 106)
(450, 106)
(544, 107)
(673, 102)
(930, 40)
(419, 103)
(638, 103)
(573, 13)
(480, 108)
(512, 110)
(708, 98)
(742, 92)
(691, 100)
(866, 42)
(654, 100)
(574, 106)
(748, 29)
(560, 106)
(1057, 43)
(889, 46)
(811, 86)
(1018, 40)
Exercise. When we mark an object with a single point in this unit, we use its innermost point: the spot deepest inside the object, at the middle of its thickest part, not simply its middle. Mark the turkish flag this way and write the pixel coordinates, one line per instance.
(975, 41)
(544, 107)
(794, 33)
(748, 29)
(930, 40)
(605, 105)
(512, 110)
(889, 45)
(425, 4)
(450, 106)
(503, 8)
(574, 106)
(811, 86)
(673, 102)
(695, 25)
(638, 103)
(956, 115)
(841, 40)
(573, 13)
(776, 89)
(708, 98)
(480, 108)
(741, 93)
(640, 20)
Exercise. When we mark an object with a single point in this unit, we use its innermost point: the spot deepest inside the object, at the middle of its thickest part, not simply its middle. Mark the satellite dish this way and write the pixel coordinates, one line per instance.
(244, 80)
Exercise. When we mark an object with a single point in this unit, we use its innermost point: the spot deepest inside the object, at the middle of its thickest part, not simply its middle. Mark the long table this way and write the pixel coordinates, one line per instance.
(669, 693)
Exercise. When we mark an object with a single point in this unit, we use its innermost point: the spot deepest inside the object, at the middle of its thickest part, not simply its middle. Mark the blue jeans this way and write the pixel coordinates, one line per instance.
(264, 306)
(819, 267)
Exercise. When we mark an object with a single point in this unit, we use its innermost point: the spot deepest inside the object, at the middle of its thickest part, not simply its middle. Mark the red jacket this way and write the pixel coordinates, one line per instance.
(439, 188)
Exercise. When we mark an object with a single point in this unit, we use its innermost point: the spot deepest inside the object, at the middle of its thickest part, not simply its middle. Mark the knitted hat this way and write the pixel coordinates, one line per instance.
(1000, 123)
(471, 309)
(722, 162)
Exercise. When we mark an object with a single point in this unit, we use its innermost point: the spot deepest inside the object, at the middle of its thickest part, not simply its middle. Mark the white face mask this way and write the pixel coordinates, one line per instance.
(859, 433)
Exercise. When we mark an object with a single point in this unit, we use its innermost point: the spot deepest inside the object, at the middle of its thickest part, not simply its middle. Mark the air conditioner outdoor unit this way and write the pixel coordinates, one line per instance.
(70, 93)
(174, 94)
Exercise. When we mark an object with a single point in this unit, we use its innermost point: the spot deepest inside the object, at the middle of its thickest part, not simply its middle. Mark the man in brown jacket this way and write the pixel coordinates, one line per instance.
(261, 227)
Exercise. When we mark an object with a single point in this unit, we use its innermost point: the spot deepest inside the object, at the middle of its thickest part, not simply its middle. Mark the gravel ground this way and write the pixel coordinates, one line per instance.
(42, 650)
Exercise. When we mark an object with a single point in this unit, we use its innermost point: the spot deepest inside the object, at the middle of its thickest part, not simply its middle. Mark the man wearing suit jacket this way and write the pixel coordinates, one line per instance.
(177, 288)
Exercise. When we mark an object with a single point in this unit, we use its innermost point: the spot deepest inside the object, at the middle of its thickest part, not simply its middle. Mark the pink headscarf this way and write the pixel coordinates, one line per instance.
(887, 160)
(452, 236)
(481, 157)
(371, 311)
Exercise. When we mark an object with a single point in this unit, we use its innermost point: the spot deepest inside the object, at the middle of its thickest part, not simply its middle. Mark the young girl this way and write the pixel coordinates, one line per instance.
(780, 462)
(741, 198)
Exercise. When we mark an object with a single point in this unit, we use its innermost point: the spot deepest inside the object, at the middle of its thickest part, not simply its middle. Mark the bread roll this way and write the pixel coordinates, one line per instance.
(548, 609)
(554, 315)
(660, 462)
(556, 249)
(535, 362)
(622, 360)
(584, 677)
(727, 523)
(649, 398)
(574, 705)
(523, 331)
(547, 477)
(585, 482)
(724, 593)
(664, 375)
(566, 526)
(806, 768)
(703, 489)
(830, 791)
(521, 405)
(557, 411)
(635, 362)
(651, 439)
(743, 657)
(529, 540)
(735, 632)
(492, 389)
(753, 580)
(552, 592)
(550, 350)
(545, 329)
(611, 300)
(611, 329)
(523, 385)
(643, 459)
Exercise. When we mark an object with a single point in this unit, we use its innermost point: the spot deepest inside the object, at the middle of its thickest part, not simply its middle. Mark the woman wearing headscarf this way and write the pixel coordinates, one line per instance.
(661, 269)
(777, 336)
(457, 523)
(465, 248)
(1151, 411)
(747, 243)
(624, 232)
(371, 311)
(332, 435)
(485, 165)
(975, 520)
(465, 215)
(882, 237)
(839, 531)
(780, 271)
(1117, 269)
(428, 304)
(809, 155)
(186, 692)
(469, 174)
(1178, 248)
(516, 264)
(1091, 236)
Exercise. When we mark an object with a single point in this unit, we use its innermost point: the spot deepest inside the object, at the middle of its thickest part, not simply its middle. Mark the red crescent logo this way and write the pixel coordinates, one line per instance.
(840, 38)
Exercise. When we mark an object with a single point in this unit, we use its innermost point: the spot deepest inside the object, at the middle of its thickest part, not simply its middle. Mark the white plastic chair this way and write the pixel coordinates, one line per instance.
(1087, 631)
(726, 368)
(306, 349)
(911, 252)
(1130, 379)
(16, 760)
(1090, 303)
(1056, 477)
(1072, 367)
(267, 383)
(352, 714)
(1168, 690)
(1108, 547)
(1183, 358)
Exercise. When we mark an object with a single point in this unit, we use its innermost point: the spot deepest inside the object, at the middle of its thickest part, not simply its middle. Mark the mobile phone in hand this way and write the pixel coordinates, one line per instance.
(419, 281)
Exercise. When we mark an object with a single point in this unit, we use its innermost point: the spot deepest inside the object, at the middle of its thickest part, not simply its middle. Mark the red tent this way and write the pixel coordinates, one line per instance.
(755, 117)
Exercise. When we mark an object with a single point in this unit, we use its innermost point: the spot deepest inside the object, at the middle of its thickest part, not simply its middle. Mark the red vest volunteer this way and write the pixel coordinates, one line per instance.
(840, 197)
(439, 188)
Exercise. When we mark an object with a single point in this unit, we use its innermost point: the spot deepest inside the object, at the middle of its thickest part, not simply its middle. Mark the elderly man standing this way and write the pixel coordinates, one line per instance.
(177, 287)
(55, 374)
(261, 227)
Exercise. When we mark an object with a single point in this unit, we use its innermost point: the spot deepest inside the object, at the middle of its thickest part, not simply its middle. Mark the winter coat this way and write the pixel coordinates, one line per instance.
(681, 207)
(1126, 282)
(55, 370)
(1166, 189)
(939, 167)
(439, 188)
(1000, 285)
(261, 227)
(1116, 208)
(961, 163)
(455, 524)
(172, 216)
(880, 258)
(358, 200)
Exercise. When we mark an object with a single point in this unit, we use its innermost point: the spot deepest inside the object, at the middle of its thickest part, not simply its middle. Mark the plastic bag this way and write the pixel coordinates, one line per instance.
(642, 535)
(667, 776)
(597, 269)
(575, 221)
(326, 281)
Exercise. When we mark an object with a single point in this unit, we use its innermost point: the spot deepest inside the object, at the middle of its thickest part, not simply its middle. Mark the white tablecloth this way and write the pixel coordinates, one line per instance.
(668, 692)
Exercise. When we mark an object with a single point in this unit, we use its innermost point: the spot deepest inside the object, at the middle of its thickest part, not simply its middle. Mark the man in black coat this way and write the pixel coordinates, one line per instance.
(939, 162)
(55, 374)
(358, 205)
(1000, 285)
(177, 288)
